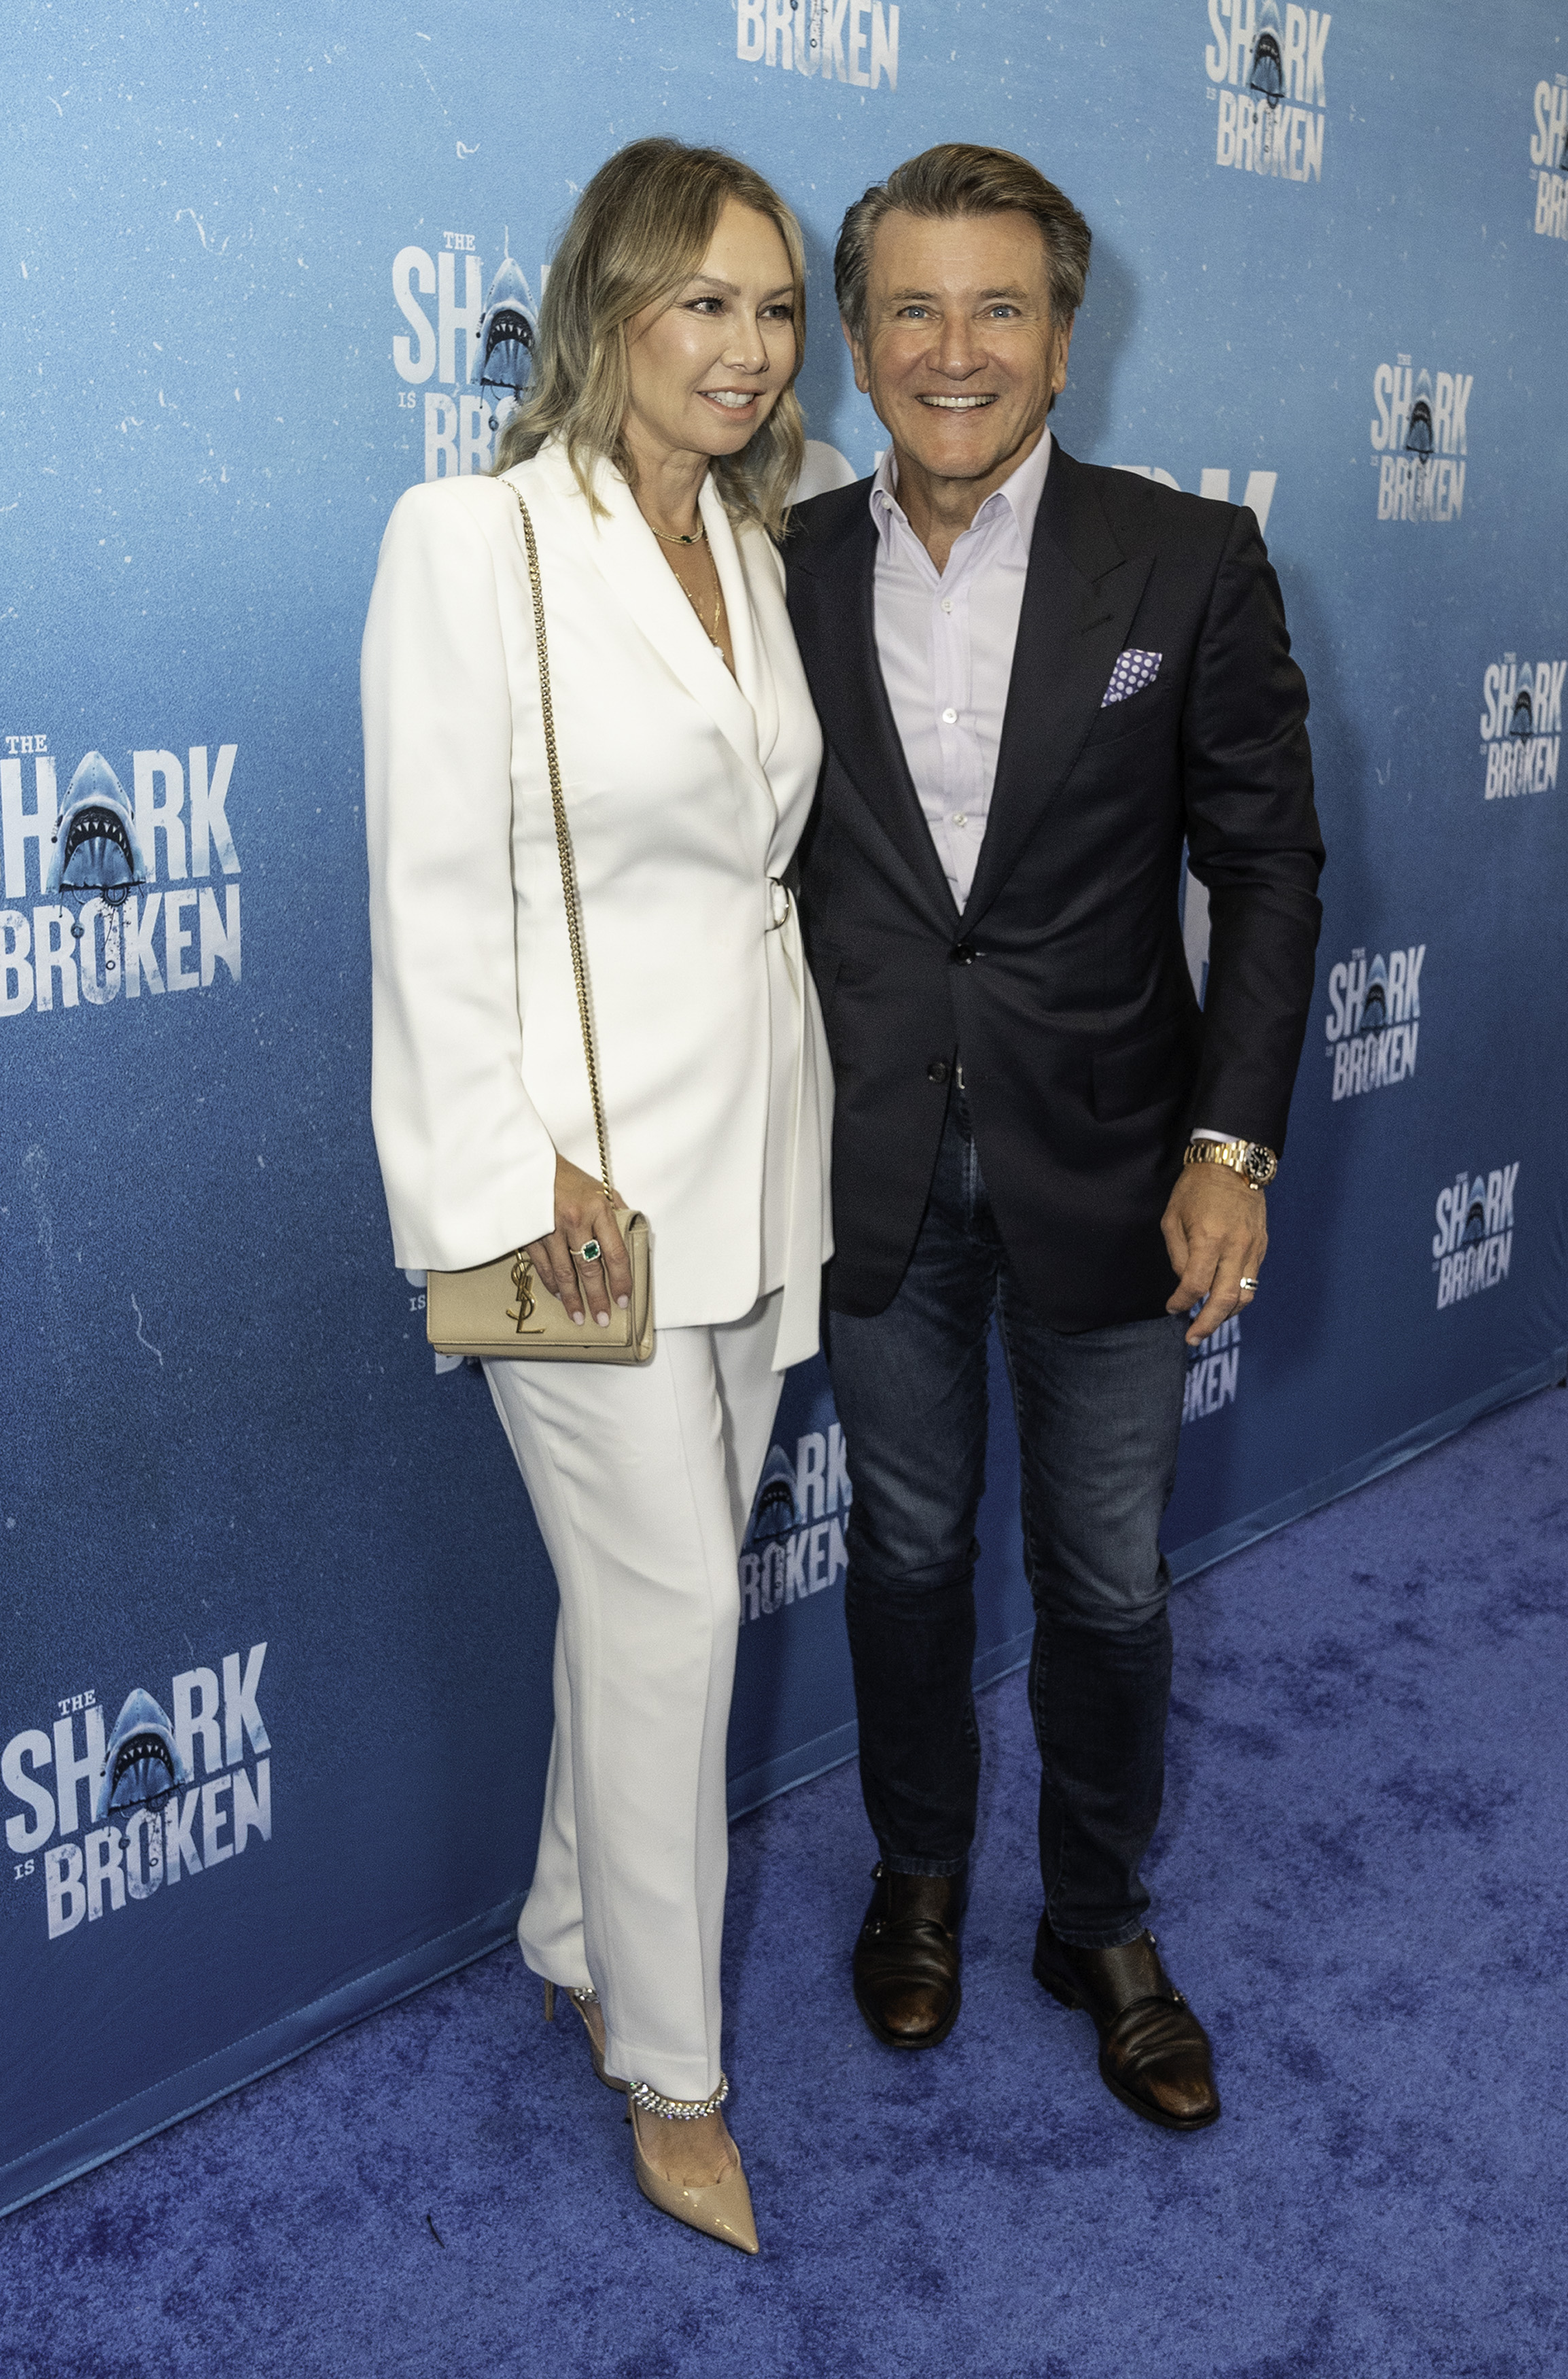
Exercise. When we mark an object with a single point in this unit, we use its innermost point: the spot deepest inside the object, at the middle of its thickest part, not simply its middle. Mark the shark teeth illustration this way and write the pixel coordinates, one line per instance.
(97, 848)
(1419, 437)
(506, 336)
(1374, 1005)
(775, 1512)
(1267, 77)
(1476, 1212)
(141, 1759)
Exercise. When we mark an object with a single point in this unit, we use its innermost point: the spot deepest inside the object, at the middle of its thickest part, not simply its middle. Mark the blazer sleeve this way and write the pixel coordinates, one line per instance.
(469, 1169)
(1253, 841)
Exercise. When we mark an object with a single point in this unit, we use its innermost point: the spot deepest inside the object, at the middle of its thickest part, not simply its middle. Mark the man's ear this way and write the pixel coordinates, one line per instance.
(1064, 343)
(857, 357)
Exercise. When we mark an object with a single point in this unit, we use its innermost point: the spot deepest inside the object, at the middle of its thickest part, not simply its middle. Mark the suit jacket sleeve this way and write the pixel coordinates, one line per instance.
(468, 1166)
(1253, 841)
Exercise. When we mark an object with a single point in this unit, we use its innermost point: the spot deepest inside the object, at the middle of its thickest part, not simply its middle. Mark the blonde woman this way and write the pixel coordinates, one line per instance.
(654, 453)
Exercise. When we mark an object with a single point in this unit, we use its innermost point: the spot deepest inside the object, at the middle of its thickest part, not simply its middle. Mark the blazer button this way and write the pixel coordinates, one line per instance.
(962, 954)
(938, 1070)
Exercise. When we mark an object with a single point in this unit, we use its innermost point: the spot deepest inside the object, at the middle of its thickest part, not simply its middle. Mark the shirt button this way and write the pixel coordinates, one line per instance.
(946, 602)
(961, 817)
(949, 718)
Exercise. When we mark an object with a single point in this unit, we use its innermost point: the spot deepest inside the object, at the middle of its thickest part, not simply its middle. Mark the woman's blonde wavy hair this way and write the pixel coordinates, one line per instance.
(639, 232)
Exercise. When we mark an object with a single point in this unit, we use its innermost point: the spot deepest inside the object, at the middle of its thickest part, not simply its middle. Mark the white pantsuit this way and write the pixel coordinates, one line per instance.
(642, 1481)
(686, 790)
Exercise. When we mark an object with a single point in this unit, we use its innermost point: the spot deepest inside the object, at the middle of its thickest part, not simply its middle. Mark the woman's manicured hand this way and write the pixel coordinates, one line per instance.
(583, 1214)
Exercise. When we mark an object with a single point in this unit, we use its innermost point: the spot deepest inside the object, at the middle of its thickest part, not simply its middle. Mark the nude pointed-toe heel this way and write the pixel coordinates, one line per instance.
(583, 2000)
(722, 2209)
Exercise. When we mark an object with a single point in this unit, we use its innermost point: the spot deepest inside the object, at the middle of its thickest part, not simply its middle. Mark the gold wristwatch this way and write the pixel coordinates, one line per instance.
(1256, 1163)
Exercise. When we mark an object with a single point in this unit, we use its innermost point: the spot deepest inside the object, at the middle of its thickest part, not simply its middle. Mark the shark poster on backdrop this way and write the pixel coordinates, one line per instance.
(105, 932)
(478, 349)
(1522, 726)
(138, 1814)
(1420, 437)
(1266, 72)
(276, 1708)
(1548, 156)
(1373, 1023)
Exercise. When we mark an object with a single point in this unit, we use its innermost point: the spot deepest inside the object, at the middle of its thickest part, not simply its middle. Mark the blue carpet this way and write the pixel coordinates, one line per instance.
(1358, 1883)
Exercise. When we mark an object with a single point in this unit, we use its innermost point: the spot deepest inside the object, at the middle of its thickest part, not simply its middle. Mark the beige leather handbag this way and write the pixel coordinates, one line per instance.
(503, 1309)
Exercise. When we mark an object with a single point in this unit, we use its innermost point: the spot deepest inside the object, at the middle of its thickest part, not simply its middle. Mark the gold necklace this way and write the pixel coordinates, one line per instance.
(711, 633)
(698, 537)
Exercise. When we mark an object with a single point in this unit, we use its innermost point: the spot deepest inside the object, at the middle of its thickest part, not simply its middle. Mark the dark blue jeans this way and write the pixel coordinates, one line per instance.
(1099, 1416)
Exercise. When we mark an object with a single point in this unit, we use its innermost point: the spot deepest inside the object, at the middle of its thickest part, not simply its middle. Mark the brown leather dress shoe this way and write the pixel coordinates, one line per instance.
(1154, 2052)
(906, 1965)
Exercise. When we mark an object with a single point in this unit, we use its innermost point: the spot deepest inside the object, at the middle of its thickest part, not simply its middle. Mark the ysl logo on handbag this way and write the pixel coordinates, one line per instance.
(523, 1282)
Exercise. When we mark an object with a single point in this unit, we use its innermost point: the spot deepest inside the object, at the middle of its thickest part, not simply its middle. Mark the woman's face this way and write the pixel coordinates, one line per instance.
(708, 368)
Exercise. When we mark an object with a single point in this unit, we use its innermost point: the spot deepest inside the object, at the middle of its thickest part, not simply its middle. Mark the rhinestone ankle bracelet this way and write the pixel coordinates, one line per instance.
(679, 2110)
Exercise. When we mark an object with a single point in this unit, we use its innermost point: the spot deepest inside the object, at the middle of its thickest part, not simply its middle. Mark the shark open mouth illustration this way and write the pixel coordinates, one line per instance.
(1267, 77)
(775, 1512)
(141, 1759)
(97, 850)
(1419, 438)
(506, 337)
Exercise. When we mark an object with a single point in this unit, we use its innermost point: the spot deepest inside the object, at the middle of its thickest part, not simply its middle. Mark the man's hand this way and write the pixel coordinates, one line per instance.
(1216, 1232)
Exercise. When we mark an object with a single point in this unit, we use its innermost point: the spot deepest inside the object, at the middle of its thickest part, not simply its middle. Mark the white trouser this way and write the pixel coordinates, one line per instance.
(641, 1479)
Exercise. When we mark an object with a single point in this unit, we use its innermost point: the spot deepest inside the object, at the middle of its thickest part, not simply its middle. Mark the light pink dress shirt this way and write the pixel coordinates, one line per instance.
(946, 646)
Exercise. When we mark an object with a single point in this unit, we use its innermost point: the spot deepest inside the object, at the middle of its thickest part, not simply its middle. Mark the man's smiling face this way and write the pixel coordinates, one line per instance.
(960, 357)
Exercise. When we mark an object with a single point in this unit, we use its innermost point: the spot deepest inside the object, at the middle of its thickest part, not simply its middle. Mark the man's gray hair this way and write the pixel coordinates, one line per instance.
(959, 179)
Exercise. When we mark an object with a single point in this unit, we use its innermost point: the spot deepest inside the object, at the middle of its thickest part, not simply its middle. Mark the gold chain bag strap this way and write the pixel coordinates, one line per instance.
(503, 1309)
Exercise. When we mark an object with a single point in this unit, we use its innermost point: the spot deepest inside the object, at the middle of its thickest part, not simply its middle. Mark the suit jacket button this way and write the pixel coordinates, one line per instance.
(962, 954)
(938, 1070)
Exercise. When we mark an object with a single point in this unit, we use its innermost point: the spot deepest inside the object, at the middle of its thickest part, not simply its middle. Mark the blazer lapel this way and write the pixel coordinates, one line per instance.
(753, 678)
(834, 610)
(627, 555)
(1079, 596)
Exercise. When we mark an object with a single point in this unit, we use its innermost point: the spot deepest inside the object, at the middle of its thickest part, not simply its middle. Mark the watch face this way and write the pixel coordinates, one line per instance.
(1261, 1165)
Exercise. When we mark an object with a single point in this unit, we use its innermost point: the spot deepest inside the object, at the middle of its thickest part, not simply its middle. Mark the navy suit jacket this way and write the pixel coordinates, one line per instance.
(1063, 988)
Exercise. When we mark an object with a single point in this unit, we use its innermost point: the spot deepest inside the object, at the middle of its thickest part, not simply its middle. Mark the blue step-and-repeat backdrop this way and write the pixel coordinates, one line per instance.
(275, 1702)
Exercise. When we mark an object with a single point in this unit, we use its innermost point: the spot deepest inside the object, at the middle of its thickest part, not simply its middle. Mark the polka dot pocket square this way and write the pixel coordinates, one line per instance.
(1133, 671)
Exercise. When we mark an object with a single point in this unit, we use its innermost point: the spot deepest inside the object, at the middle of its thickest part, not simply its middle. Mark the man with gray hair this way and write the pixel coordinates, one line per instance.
(1037, 680)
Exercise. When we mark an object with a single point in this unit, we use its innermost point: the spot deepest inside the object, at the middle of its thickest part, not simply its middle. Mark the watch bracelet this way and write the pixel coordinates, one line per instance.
(1208, 1151)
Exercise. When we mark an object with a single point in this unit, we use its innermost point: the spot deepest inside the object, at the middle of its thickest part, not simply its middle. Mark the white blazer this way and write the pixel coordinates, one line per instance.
(686, 792)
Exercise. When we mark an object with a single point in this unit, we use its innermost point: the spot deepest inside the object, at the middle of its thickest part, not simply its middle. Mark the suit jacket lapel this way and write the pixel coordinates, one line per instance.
(752, 677)
(1079, 596)
(833, 605)
(626, 553)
